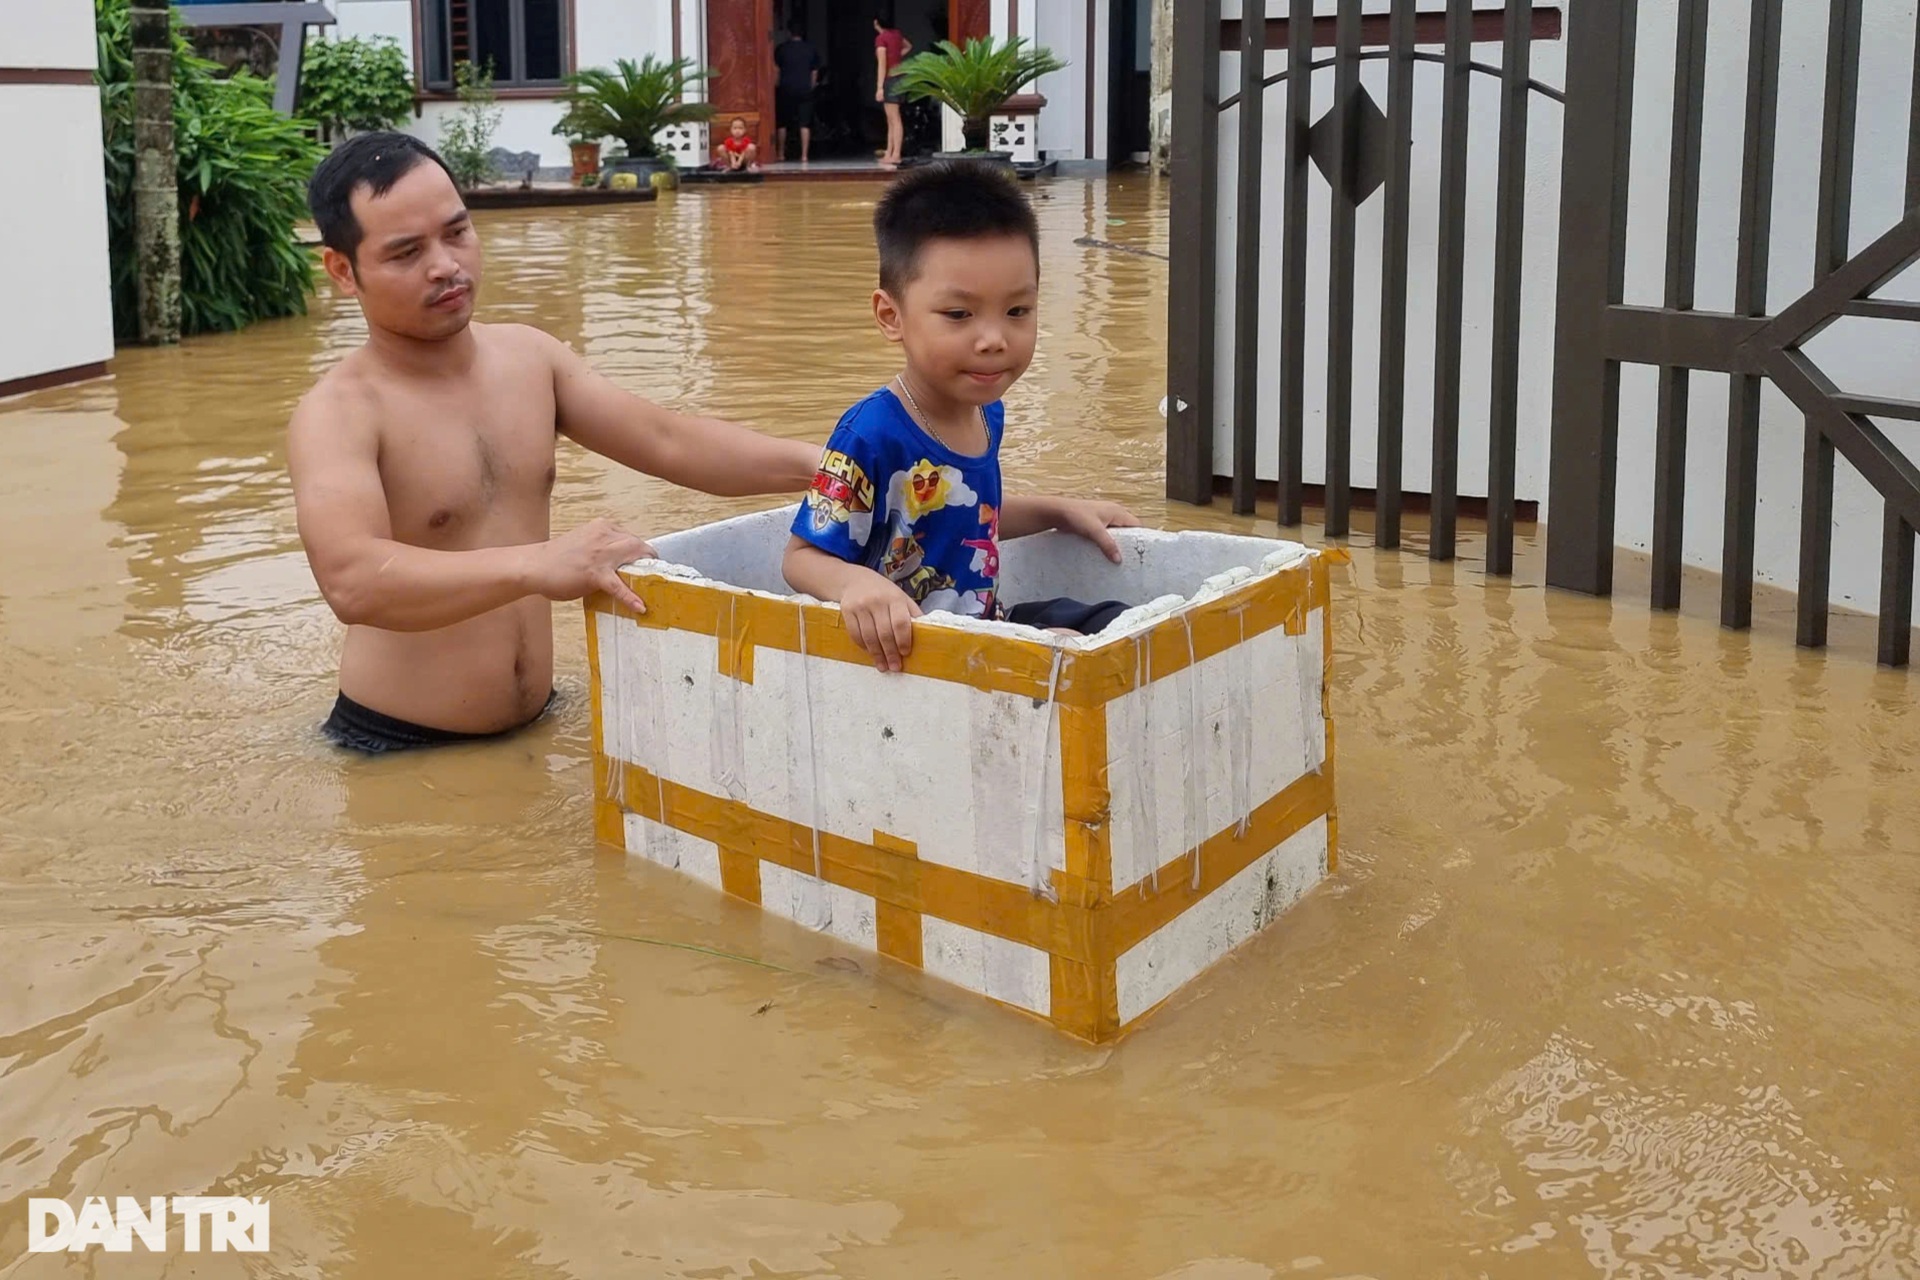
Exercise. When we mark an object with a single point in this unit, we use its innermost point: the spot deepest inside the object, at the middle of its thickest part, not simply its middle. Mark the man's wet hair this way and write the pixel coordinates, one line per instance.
(947, 200)
(373, 160)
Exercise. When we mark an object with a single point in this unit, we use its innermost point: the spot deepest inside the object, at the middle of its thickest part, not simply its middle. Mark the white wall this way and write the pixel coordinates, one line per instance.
(606, 30)
(56, 310)
(1062, 27)
(1860, 355)
(1542, 238)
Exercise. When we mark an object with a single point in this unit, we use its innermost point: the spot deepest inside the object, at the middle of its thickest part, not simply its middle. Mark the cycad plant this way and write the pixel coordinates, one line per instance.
(634, 102)
(975, 80)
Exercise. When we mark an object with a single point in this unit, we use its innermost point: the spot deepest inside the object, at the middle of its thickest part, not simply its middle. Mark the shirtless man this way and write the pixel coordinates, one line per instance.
(423, 467)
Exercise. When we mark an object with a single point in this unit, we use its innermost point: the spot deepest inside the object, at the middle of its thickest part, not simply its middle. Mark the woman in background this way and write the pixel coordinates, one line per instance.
(890, 49)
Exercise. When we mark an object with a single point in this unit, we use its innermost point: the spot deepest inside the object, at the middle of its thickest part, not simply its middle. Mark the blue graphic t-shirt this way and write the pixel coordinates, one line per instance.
(891, 497)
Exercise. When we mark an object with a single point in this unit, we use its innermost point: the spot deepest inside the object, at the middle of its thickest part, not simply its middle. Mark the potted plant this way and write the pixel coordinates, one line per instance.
(583, 144)
(632, 103)
(974, 82)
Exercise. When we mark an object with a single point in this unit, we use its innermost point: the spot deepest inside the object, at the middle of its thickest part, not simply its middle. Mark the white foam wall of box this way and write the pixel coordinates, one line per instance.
(1260, 727)
(956, 771)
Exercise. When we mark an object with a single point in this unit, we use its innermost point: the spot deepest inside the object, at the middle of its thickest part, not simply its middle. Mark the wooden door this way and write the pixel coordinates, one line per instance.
(740, 52)
(969, 20)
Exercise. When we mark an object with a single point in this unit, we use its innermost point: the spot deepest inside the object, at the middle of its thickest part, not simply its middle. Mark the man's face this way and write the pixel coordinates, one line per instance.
(419, 263)
(967, 319)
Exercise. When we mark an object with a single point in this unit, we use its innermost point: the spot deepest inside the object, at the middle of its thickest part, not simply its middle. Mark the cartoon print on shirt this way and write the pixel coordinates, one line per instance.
(841, 494)
(986, 551)
(928, 487)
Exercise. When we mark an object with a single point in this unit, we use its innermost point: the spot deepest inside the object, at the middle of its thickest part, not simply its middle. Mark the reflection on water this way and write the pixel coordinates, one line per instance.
(1616, 979)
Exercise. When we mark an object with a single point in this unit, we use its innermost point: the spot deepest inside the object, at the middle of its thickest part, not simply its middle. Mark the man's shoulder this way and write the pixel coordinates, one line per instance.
(518, 339)
(344, 391)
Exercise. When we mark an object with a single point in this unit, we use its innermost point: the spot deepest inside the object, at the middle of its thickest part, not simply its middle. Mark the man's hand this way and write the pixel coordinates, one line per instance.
(879, 616)
(1084, 518)
(577, 564)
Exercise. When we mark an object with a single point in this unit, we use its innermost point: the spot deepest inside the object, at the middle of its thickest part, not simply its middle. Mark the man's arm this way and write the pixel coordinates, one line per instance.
(370, 579)
(696, 453)
(1021, 516)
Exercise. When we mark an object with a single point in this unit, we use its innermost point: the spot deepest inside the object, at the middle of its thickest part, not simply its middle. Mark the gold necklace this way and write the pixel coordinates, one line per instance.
(927, 422)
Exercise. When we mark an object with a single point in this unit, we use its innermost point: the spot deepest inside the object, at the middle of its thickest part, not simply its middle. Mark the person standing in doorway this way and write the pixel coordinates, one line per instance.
(799, 64)
(890, 49)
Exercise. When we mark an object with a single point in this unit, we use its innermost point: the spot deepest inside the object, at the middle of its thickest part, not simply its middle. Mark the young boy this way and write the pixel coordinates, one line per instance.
(906, 515)
(736, 151)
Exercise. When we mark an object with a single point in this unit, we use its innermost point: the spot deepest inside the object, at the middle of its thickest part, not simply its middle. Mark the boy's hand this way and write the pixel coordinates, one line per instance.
(879, 615)
(1091, 520)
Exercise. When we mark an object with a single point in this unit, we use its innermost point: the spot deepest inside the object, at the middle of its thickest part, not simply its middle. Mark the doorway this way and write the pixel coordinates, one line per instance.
(848, 124)
(1130, 82)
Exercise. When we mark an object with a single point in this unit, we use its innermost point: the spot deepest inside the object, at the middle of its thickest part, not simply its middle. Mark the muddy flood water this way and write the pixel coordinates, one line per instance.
(1618, 977)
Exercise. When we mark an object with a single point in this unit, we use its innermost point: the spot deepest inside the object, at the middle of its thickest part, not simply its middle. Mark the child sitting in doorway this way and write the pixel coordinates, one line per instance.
(737, 152)
(906, 515)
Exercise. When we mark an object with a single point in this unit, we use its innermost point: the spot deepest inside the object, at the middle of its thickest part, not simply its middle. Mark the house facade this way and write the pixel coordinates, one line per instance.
(1090, 107)
(56, 309)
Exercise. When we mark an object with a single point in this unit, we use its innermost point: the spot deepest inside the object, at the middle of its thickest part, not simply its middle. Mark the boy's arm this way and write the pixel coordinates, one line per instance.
(1021, 516)
(878, 614)
(697, 453)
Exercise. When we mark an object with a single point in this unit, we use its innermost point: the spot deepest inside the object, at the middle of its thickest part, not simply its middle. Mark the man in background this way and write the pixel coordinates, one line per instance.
(799, 64)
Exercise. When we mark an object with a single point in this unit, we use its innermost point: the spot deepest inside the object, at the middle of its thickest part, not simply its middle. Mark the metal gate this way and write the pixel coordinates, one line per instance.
(1361, 149)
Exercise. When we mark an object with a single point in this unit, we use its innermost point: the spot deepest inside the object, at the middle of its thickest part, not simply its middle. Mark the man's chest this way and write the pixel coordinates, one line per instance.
(450, 468)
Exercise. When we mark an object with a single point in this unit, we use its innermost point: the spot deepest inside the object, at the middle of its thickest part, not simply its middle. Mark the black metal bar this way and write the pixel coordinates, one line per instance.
(1816, 540)
(1503, 433)
(1864, 445)
(1191, 277)
(1342, 248)
(1450, 315)
(1913, 130)
(1833, 226)
(1750, 298)
(1381, 55)
(1584, 458)
(1246, 264)
(1879, 407)
(1293, 270)
(1711, 340)
(1831, 297)
(1393, 276)
(1896, 591)
(1884, 308)
(1683, 238)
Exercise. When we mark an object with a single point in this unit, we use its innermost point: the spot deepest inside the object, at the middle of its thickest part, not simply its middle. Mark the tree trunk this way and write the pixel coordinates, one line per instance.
(156, 181)
(1162, 85)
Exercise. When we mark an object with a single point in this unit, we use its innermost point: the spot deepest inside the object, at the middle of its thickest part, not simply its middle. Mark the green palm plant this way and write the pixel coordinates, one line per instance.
(975, 80)
(633, 103)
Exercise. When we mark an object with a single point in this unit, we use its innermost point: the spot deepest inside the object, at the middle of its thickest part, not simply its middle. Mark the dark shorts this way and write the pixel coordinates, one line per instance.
(893, 96)
(1074, 615)
(367, 731)
(794, 108)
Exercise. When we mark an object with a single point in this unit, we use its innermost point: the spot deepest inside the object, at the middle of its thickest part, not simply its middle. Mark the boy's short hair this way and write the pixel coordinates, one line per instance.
(736, 120)
(947, 200)
(373, 160)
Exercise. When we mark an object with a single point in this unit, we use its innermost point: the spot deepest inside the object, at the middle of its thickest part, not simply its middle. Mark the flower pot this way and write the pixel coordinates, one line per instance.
(976, 133)
(641, 167)
(586, 162)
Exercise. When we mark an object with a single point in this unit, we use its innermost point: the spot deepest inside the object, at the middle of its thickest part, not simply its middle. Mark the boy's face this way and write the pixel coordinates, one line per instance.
(967, 319)
(739, 128)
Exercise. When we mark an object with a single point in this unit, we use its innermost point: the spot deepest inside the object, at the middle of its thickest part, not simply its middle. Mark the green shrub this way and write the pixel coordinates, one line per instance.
(466, 136)
(355, 85)
(242, 169)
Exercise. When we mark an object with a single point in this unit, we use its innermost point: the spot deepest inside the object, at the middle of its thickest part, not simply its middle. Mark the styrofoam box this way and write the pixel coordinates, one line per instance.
(1073, 826)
